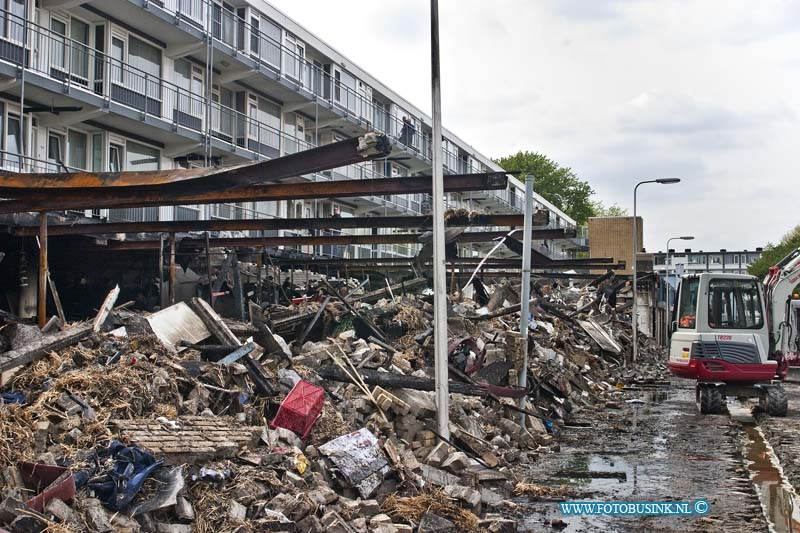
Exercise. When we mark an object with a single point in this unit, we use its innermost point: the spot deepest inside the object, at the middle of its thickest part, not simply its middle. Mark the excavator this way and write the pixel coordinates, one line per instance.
(737, 336)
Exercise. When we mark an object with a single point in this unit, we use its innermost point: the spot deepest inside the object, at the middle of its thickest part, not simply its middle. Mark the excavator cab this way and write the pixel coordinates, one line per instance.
(721, 339)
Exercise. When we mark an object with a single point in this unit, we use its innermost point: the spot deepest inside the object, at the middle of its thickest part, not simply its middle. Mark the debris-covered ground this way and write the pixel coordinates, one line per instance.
(315, 416)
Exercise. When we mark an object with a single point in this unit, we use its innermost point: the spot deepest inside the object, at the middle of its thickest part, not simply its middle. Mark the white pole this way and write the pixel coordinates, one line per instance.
(439, 269)
(526, 290)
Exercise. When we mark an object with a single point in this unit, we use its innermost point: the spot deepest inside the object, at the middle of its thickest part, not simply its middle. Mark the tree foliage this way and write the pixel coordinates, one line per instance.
(775, 252)
(613, 210)
(559, 185)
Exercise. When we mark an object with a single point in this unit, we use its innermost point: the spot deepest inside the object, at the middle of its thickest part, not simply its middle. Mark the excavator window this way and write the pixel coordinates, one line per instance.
(734, 304)
(687, 309)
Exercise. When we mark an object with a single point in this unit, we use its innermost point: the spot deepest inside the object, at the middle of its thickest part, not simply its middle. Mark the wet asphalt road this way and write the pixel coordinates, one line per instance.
(665, 452)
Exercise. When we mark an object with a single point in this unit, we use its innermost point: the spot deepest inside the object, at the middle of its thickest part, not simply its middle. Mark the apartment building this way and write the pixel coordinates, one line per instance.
(689, 261)
(112, 85)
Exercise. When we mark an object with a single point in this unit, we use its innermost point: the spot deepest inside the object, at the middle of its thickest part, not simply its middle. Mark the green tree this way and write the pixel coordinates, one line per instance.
(559, 185)
(775, 252)
(614, 210)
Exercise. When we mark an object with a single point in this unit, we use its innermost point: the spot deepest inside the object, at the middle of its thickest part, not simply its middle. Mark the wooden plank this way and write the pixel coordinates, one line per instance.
(106, 308)
(237, 354)
(600, 335)
(213, 322)
(301, 339)
(221, 331)
(43, 346)
(389, 380)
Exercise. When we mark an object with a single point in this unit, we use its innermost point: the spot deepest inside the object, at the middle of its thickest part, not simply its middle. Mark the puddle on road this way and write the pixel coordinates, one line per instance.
(778, 500)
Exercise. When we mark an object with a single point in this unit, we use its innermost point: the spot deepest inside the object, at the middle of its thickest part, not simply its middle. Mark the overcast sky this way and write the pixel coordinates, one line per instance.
(619, 90)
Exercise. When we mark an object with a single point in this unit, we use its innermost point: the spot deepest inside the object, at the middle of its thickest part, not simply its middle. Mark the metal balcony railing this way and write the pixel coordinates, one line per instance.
(240, 36)
(80, 66)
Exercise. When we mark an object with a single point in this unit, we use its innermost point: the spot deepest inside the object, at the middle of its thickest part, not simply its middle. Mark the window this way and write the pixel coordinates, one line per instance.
(58, 47)
(337, 85)
(294, 58)
(14, 141)
(146, 60)
(141, 157)
(118, 57)
(114, 158)
(222, 113)
(254, 36)
(687, 309)
(97, 152)
(79, 33)
(223, 22)
(76, 148)
(716, 259)
(12, 20)
(192, 8)
(55, 151)
(190, 80)
(734, 304)
(265, 123)
(265, 39)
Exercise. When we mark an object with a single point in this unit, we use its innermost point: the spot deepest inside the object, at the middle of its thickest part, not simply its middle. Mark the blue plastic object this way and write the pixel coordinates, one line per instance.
(120, 485)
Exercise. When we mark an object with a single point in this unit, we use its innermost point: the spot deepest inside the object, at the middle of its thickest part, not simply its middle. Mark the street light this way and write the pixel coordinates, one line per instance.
(634, 317)
(666, 277)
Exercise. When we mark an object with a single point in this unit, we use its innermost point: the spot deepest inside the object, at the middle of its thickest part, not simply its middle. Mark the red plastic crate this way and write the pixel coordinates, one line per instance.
(300, 409)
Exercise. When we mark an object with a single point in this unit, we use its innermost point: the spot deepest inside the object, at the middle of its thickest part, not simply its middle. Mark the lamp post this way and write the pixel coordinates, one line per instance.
(666, 276)
(634, 314)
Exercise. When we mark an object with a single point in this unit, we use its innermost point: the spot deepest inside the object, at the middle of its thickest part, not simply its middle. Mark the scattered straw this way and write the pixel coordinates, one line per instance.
(539, 491)
(411, 509)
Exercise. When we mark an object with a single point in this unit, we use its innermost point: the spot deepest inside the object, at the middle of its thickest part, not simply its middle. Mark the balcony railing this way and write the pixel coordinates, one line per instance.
(239, 36)
(80, 66)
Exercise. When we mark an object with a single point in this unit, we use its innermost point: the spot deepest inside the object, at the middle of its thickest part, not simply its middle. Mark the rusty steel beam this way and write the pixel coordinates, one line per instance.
(272, 224)
(488, 268)
(504, 261)
(52, 186)
(144, 197)
(315, 240)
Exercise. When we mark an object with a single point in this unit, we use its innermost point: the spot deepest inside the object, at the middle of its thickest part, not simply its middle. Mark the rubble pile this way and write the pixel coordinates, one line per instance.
(317, 416)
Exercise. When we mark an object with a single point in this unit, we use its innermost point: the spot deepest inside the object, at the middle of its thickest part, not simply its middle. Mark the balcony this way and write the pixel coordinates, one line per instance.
(254, 48)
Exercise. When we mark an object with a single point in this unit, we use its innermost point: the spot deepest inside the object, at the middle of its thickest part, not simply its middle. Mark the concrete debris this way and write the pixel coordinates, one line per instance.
(355, 447)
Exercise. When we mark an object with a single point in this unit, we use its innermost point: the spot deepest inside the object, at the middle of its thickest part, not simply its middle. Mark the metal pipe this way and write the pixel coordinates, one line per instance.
(161, 270)
(42, 300)
(439, 271)
(208, 273)
(525, 295)
(23, 129)
(172, 268)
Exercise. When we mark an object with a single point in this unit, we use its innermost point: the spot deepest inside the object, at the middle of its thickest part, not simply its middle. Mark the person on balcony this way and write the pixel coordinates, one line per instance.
(407, 132)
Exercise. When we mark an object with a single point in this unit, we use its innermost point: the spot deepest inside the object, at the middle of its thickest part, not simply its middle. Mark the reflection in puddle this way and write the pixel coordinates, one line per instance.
(777, 496)
(598, 474)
